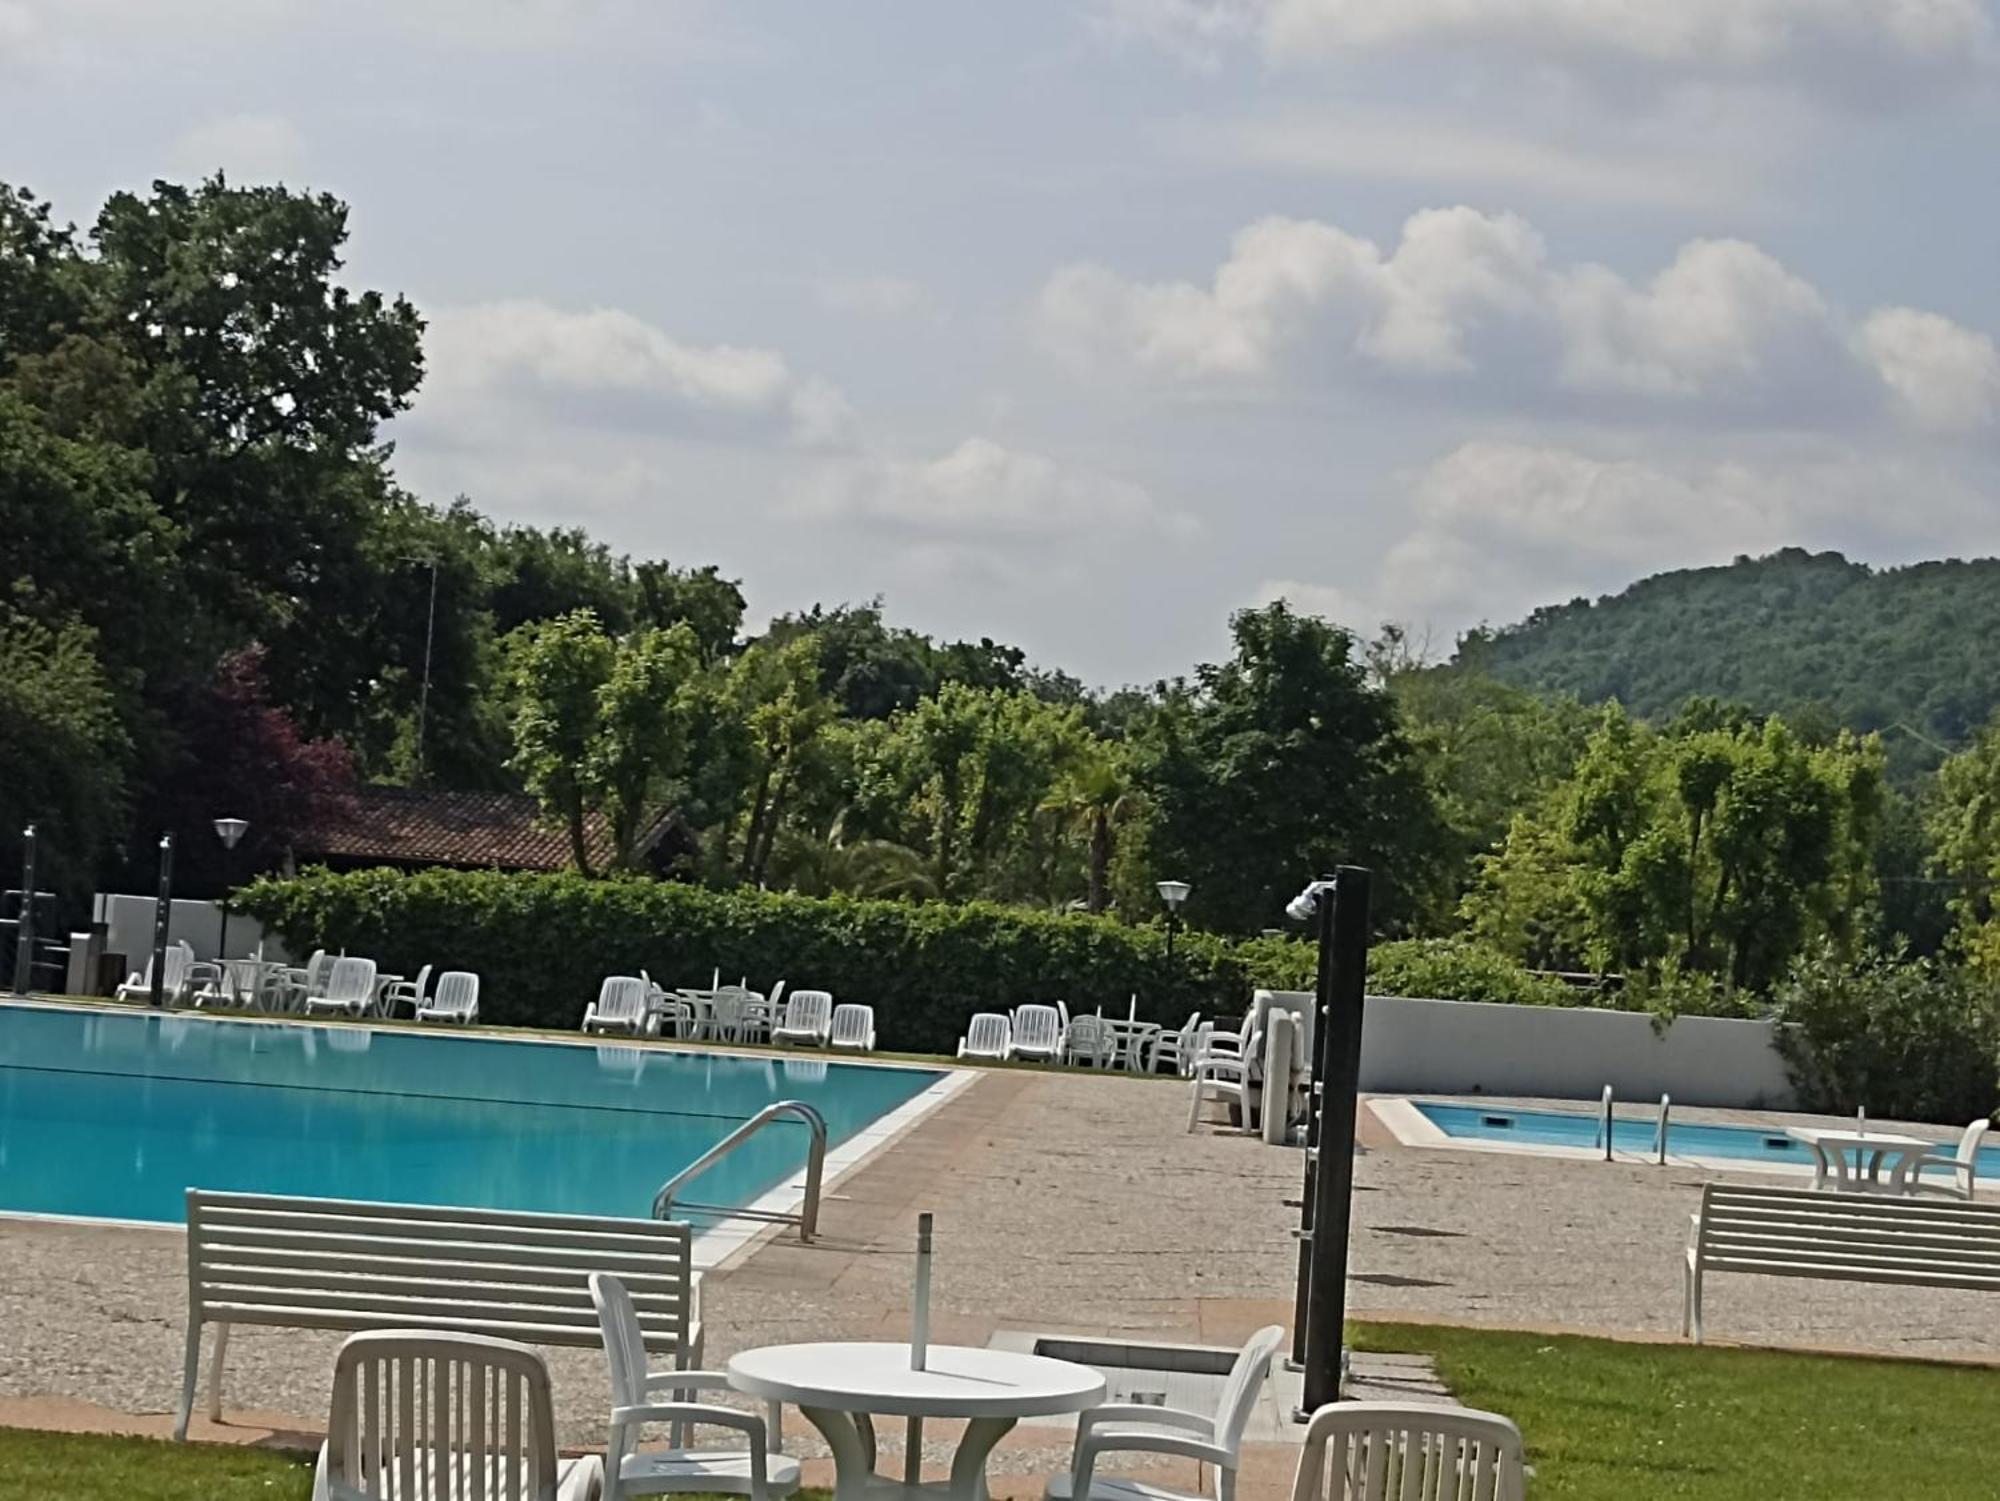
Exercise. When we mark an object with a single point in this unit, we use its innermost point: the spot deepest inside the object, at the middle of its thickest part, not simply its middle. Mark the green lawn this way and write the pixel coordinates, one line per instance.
(1625, 1422)
(1604, 1421)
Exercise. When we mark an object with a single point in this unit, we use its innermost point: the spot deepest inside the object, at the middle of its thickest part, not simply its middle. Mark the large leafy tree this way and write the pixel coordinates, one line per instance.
(1963, 820)
(1274, 766)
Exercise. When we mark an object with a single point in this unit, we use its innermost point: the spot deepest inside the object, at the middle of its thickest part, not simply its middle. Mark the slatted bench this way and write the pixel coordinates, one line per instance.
(1843, 1237)
(349, 1264)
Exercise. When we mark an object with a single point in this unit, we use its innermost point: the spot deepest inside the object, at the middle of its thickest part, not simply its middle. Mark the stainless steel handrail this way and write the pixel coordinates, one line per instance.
(1660, 1137)
(807, 1219)
(1604, 1126)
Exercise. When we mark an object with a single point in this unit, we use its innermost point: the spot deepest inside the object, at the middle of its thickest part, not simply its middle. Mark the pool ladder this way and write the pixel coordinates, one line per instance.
(807, 1217)
(1603, 1141)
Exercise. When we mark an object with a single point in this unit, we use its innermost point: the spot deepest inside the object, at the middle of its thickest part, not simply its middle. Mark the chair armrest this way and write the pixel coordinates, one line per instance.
(1139, 1412)
(1128, 1440)
(1916, 1164)
(687, 1381)
(695, 1412)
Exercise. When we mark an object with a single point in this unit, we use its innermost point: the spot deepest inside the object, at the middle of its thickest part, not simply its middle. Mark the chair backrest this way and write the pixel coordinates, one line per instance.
(457, 992)
(621, 998)
(174, 975)
(810, 1010)
(1037, 1026)
(728, 1007)
(423, 979)
(777, 997)
(1968, 1144)
(350, 980)
(407, 1405)
(316, 969)
(242, 978)
(853, 1023)
(989, 1032)
(1246, 1380)
(1361, 1451)
(1088, 1034)
(624, 1343)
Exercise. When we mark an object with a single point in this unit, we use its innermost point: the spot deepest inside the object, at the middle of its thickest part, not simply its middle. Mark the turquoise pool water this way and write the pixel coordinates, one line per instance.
(1566, 1129)
(115, 1114)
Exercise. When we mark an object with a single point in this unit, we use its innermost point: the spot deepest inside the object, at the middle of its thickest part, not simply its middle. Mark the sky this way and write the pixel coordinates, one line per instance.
(1082, 325)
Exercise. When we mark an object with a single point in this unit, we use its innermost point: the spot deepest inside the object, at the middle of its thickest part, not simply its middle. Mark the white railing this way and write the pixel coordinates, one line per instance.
(807, 1218)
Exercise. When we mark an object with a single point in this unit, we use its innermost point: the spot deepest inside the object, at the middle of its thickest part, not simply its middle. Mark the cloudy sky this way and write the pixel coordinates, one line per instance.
(1082, 324)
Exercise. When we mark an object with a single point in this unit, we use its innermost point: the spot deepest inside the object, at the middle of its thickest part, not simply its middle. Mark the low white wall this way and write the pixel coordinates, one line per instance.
(129, 924)
(1567, 1053)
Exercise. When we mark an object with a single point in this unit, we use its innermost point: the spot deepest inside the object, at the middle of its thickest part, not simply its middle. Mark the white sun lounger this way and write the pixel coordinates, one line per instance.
(622, 1005)
(174, 978)
(808, 1019)
(853, 1029)
(989, 1035)
(1038, 1034)
(350, 988)
(456, 998)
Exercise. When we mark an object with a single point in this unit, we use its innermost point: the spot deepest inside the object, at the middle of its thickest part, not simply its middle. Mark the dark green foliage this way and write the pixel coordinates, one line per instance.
(1914, 1041)
(1444, 969)
(1872, 649)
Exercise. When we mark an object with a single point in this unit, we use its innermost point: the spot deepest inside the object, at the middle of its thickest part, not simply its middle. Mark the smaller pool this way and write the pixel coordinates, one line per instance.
(1563, 1128)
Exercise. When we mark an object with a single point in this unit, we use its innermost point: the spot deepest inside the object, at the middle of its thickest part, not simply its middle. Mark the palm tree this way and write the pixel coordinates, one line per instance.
(1095, 797)
(822, 864)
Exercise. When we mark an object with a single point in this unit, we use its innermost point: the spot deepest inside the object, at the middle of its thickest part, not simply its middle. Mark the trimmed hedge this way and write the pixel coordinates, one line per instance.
(541, 943)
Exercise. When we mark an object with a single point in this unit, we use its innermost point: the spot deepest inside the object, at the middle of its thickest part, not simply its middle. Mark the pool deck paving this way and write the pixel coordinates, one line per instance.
(1065, 1203)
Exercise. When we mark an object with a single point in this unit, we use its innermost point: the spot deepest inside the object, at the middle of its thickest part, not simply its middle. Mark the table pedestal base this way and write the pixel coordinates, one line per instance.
(851, 1437)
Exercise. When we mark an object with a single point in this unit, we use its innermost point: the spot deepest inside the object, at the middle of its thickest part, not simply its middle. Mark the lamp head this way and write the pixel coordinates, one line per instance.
(1173, 893)
(1302, 907)
(230, 831)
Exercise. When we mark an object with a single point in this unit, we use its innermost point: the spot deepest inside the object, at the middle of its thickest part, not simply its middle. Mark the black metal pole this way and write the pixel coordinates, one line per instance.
(222, 942)
(1333, 1188)
(24, 946)
(1173, 921)
(163, 911)
(1321, 999)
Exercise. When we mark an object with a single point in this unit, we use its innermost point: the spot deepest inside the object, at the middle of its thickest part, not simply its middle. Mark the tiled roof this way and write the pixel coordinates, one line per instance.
(418, 826)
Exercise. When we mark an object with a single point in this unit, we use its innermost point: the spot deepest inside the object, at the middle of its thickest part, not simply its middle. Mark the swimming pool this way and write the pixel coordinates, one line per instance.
(1562, 1128)
(113, 1114)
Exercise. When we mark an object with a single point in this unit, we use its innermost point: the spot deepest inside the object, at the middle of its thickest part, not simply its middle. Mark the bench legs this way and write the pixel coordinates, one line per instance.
(1691, 1302)
(190, 1370)
(215, 1373)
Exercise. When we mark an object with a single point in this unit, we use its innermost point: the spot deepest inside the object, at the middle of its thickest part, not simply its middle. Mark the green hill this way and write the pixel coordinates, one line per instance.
(1809, 633)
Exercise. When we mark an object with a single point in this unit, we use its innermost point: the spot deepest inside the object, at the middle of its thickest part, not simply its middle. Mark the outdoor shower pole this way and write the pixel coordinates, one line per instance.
(163, 912)
(1346, 979)
(24, 947)
(1323, 908)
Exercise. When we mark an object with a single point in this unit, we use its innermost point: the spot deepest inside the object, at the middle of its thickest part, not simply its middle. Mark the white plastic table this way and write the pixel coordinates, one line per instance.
(1129, 1040)
(841, 1387)
(1873, 1151)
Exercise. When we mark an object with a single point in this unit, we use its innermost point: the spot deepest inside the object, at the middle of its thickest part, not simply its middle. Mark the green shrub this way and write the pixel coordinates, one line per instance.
(1449, 969)
(1913, 1041)
(541, 944)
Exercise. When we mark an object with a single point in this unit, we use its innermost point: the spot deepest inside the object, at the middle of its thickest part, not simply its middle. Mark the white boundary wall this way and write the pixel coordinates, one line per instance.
(128, 924)
(1567, 1053)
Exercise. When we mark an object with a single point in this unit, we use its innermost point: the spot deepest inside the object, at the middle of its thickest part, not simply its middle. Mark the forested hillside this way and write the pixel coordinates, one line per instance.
(1809, 634)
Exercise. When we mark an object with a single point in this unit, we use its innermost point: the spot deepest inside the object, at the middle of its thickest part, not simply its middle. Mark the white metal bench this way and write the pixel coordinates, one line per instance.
(1795, 1232)
(349, 1264)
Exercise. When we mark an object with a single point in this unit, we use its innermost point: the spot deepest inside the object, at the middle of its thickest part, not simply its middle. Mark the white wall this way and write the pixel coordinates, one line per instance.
(130, 923)
(1567, 1053)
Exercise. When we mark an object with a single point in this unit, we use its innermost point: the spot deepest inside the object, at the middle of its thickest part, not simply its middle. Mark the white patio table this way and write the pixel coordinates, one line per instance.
(1130, 1039)
(1873, 1152)
(841, 1387)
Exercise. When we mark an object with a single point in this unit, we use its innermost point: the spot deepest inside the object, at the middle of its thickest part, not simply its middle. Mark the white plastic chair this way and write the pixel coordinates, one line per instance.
(1223, 1075)
(350, 988)
(232, 982)
(620, 1006)
(1207, 1438)
(757, 1470)
(853, 1029)
(456, 999)
(1087, 1041)
(1038, 1034)
(406, 992)
(761, 1013)
(294, 985)
(1361, 1451)
(1962, 1164)
(988, 1035)
(1175, 1048)
(174, 980)
(808, 1019)
(424, 1415)
(725, 1015)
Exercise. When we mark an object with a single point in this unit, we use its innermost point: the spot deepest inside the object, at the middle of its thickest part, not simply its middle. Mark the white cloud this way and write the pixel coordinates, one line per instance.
(873, 296)
(1865, 48)
(982, 490)
(1480, 157)
(1496, 528)
(253, 148)
(1474, 300)
(607, 365)
(1946, 377)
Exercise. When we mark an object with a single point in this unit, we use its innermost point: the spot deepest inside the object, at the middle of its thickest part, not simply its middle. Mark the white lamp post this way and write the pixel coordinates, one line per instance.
(1173, 893)
(230, 831)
